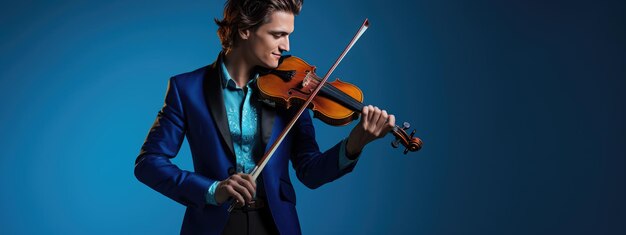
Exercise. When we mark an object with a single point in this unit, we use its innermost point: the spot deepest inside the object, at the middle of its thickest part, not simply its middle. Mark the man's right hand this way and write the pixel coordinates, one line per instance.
(239, 186)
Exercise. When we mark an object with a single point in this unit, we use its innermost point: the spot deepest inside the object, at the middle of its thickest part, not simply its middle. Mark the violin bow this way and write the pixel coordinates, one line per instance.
(256, 171)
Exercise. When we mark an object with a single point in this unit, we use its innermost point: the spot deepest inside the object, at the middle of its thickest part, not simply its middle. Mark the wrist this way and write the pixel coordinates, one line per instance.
(353, 150)
(211, 197)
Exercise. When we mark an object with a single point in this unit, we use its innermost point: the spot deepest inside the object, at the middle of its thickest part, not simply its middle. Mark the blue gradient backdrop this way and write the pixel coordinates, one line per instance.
(520, 104)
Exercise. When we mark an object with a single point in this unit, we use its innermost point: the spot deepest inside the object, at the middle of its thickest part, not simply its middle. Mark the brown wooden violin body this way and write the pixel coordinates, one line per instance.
(338, 103)
(294, 80)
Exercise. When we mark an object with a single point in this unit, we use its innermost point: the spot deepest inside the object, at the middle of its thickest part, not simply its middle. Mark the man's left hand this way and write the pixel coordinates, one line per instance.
(375, 123)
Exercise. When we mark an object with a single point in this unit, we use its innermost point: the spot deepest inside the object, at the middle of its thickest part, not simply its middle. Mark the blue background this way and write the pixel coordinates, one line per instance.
(520, 104)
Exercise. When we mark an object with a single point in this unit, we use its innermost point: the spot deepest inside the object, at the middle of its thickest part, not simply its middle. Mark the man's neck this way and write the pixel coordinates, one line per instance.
(238, 67)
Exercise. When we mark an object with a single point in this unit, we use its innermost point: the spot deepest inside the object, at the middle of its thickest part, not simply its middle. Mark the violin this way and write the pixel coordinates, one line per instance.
(338, 103)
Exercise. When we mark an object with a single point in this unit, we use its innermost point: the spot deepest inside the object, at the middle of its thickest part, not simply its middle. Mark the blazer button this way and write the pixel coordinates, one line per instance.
(231, 171)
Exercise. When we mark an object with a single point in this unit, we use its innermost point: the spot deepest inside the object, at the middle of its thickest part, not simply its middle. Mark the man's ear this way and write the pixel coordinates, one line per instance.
(244, 34)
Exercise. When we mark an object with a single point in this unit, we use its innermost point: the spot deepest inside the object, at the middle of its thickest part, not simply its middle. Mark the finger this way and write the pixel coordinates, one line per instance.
(380, 125)
(374, 120)
(392, 122)
(235, 177)
(370, 113)
(248, 185)
(245, 180)
(364, 111)
(249, 179)
(366, 115)
(243, 191)
(233, 193)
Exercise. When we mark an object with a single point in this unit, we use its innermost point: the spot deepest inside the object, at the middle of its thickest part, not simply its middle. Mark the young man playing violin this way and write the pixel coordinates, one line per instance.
(228, 129)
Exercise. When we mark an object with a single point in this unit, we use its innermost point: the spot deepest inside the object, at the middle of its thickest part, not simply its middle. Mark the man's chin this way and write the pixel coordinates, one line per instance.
(272, 65)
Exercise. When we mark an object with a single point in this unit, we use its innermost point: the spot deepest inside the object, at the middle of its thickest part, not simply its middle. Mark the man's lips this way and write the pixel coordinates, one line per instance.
(276, 55)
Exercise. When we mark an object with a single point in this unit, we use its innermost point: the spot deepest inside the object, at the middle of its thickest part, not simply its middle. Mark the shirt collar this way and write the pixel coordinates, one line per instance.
(227, 80)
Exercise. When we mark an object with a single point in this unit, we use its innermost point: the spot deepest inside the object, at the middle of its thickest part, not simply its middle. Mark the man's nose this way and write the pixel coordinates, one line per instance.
(284, 45)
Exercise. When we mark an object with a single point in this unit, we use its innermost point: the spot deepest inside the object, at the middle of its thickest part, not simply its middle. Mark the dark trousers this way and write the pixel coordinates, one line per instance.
(250, 222)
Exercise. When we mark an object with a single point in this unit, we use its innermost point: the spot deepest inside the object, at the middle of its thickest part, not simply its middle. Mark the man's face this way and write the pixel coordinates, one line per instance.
(267, 43)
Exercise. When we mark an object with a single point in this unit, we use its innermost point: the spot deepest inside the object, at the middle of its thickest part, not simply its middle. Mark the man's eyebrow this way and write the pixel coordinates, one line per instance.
(280, 32)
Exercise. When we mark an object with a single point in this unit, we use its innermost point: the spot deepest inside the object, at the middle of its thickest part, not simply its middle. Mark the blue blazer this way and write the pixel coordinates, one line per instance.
(194, 107)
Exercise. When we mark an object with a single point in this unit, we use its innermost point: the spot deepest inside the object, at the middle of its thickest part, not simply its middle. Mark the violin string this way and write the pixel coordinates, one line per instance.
(349, 100)
(333, 91)
(346, 99)
(343, 97)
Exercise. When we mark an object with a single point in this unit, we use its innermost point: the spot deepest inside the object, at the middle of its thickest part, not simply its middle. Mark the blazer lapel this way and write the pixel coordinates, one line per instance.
(268, 114)
(215, 100)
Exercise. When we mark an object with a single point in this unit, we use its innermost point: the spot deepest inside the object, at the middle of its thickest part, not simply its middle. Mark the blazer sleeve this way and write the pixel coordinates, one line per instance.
(153, 166)
(314, 168)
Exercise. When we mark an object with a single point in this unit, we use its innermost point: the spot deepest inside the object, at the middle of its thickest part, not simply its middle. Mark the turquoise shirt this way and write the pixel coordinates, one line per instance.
(242, 114)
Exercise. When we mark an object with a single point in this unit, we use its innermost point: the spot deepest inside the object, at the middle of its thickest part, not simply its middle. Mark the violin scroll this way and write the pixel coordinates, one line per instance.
(410, 142)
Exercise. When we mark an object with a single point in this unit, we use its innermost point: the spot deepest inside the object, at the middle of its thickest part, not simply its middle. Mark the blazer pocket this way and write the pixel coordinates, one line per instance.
(287, 193)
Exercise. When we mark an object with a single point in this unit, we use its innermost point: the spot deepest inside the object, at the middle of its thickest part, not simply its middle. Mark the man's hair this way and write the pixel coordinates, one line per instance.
(250, 14)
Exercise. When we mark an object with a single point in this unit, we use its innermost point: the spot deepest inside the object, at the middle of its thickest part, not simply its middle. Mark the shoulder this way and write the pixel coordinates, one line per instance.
(191, 77)
(194, 81)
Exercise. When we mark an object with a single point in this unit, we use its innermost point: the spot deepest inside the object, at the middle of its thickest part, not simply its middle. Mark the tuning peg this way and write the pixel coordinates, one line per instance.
(412, 133)
(406, 125)
(395, 143)
(406, 150)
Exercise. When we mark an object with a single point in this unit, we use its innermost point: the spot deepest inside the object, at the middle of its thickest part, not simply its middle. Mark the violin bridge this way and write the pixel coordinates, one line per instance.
(306, 81)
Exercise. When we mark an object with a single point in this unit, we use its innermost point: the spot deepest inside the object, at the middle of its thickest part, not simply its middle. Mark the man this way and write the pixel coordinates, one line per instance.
(229, 129)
